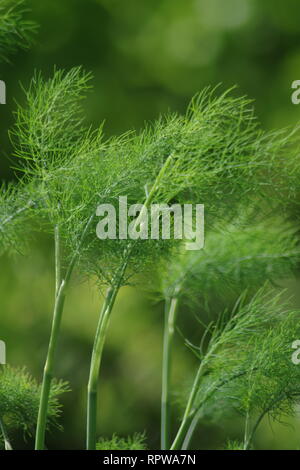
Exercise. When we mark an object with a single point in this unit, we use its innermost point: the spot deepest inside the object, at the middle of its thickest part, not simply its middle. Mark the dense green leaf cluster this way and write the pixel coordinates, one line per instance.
(216, 154)
(19, 400)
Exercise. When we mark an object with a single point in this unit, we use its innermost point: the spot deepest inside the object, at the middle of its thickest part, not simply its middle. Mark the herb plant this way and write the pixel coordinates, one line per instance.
(215, 154)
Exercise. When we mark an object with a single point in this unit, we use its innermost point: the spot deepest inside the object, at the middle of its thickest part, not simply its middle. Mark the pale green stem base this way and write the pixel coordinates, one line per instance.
(99, 342)
(48, 369)
(105, 317)
(7, 444)
(169, 328)
(188, 414)
(60, 294)
(95, 367)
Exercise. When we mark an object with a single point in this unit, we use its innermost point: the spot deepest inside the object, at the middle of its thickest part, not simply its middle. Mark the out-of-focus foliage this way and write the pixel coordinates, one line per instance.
(237, 256)
(15, 29)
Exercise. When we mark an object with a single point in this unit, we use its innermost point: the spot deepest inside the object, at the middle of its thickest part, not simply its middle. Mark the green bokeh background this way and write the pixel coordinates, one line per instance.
(147, 57)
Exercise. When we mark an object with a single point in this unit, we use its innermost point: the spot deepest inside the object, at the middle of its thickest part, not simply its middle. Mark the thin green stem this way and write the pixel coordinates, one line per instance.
(188, 413)
(49, 367)
(197, 415)
(248, 441)
(247, 433)
(7, 443)
(169, 328)
(100, 337)
(105, 317)
(189, 410)
(158, 181)
(191, 430)
(57, 259)
(95, 367)
(18, 212)
(60, 295)
(250, 434)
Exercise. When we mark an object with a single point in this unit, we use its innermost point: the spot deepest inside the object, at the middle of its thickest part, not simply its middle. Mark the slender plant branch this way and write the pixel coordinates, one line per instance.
(248, 441)
(102, 328)
(194, 423)
(105, 317)
(49, 366)
(17, 213)
(171, 307)
(191, 430)
(57, 244)
(185, 423)
(247, 432)
(189, 410)
(7, 443)
(60, 295)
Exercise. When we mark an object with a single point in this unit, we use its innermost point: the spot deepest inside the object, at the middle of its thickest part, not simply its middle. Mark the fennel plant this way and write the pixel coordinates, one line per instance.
(216, 154)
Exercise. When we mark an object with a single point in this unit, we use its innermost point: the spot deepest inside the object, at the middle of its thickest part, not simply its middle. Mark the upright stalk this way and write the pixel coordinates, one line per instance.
(191, 430)
(60, 286)
(105, 317)
(189, 410)
(250, 434)
(247, 433)
(188, 414)
(197, 415)
(99, 342)
(60, 295)
(169, 328)
(7, 444)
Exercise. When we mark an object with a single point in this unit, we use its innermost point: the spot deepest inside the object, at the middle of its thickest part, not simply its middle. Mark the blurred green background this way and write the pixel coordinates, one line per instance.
(147, 57)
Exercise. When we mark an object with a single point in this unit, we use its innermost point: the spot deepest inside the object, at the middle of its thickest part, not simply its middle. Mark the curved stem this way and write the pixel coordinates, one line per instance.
(16, 214)
(169, 328)
(48, 369)
(249, 439)
(105, 317)
(191, 430)
(185, 423)
(99, 342)
(95, 367)
(189, 410)
(250, 434)
(60, 294)
(197, 416)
